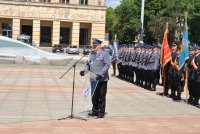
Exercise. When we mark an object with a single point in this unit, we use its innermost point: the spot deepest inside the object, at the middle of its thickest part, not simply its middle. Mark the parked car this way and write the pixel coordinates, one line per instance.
(72, 49)
(107, 49)
(57, 48)
(24, 38)
(86, 49)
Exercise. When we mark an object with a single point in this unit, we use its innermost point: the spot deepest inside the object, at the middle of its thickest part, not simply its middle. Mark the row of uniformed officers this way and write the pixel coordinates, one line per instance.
(141, 65)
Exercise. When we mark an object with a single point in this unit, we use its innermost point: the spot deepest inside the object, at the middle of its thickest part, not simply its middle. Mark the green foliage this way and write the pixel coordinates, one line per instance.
(157, 12)
(110, 22)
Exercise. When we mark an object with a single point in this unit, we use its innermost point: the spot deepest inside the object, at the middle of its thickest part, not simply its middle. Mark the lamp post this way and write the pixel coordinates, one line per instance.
(142, 21)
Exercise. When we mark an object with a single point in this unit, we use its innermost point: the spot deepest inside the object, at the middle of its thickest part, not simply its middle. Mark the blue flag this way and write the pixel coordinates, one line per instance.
(184, 46)
(114, 56)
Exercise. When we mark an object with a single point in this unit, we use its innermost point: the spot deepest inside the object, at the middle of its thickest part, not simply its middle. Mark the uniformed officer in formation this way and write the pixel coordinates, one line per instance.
(170, 73)
(98, 64)
(191, 75)
(177, 77)
(195, 90)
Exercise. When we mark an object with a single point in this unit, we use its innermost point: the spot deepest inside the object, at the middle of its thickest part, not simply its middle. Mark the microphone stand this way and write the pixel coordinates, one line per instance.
(71, 116)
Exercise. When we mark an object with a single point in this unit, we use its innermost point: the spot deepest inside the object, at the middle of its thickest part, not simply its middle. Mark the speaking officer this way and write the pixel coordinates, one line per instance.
(98, 64)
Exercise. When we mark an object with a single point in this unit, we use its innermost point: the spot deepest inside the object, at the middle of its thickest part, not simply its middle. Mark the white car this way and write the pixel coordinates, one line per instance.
(72, 49)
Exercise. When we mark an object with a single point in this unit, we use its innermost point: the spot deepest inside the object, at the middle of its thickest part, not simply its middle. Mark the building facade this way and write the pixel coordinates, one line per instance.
(50, 22)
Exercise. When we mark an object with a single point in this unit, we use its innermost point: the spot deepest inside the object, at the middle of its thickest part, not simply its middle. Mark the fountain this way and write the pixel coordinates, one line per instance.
(16, 52)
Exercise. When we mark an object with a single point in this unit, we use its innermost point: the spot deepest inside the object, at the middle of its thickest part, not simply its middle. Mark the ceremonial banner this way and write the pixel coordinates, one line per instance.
(184, 46)
(165, 50)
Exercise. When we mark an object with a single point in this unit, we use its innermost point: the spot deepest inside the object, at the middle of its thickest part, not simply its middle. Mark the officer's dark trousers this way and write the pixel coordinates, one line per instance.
(148, 77)
(145, 78)
(99, 98)
(177, 85)
(140, 77)
(119, 66)
(197, 91)
(191, 89)
(137, 75)
(154, 78)
(131, 79)
(158, 76)
(166, 83)
(182, 85)
(114, 67)
(172, 84)
(123, 71)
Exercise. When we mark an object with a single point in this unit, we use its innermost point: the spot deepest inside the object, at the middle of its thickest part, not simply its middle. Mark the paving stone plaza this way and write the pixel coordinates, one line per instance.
(33, 98)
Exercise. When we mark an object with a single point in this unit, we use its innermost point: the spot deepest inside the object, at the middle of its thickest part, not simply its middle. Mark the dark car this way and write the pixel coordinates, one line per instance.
(108, 49)
(57, 48)
(86, 49)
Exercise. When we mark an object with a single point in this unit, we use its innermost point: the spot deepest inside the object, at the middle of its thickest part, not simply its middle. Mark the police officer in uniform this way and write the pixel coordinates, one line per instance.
(196, 66)
(178, 77)
(156, 67)
(119, 62)
(190, 75)
(171, 71)
(98, 64)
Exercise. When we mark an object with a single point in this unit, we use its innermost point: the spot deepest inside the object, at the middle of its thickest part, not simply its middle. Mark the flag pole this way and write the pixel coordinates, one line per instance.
(164, 70)
(187, 85)
(186, 13)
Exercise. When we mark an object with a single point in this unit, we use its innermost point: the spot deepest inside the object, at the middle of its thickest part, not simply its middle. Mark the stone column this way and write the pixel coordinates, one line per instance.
(56, 33)
(55, 1)
(74, 2)
(15, 28)
(98, 31)
(36, 32)
(75, 33)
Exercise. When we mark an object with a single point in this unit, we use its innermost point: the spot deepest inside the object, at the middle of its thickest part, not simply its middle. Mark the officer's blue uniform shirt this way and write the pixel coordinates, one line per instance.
(99, 63)
(148, 59)
(140, 59)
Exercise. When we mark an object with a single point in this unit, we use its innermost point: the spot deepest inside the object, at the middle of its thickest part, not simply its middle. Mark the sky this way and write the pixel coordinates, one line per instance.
(112, 3)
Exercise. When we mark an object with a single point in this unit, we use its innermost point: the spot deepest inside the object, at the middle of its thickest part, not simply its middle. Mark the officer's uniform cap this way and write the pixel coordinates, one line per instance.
(96, 42)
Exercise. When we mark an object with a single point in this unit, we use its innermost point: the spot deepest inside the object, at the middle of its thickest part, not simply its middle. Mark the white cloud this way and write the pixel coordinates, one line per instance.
(113, 3)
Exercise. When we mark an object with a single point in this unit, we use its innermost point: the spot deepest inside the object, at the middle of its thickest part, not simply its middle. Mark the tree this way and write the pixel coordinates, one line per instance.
(193, 23)
(157, 13)
(128, 20)
(110, 22)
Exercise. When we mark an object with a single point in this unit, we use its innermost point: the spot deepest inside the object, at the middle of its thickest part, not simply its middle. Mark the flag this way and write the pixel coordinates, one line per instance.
(114, 56)
(166, 55)
(184, 46)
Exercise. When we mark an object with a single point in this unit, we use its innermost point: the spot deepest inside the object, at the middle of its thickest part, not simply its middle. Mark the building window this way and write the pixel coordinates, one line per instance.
(83, 2)
(7, 29)
(64, 1)
(45, 33)
(45, 1)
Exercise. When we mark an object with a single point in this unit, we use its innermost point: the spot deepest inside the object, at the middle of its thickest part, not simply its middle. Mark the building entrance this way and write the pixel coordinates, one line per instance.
(27, 30)
(64, 36)
(45, 36)
(83, 37)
